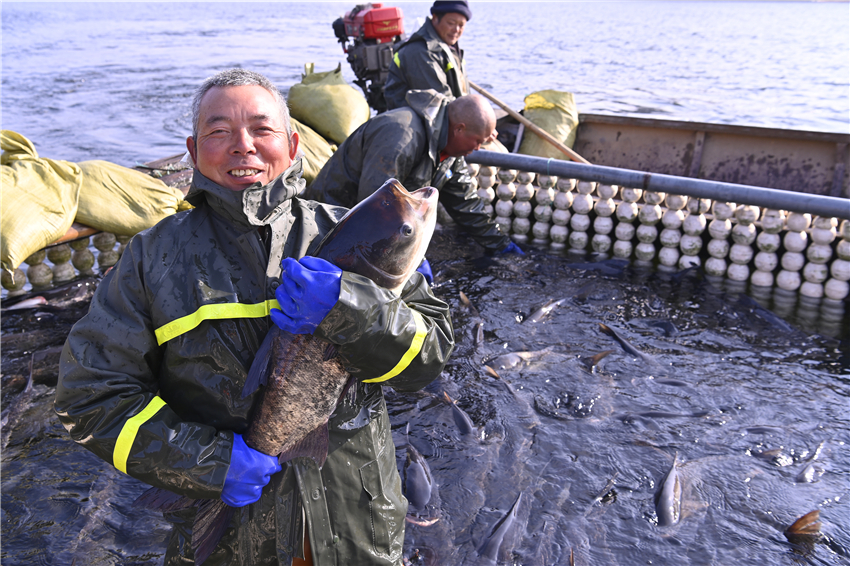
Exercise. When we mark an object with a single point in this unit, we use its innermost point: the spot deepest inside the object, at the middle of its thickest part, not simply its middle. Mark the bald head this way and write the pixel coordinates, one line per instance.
(471, 123)
(473, 111)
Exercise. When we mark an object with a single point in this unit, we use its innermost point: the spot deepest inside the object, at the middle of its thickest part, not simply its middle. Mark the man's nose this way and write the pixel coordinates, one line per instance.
(243, 142)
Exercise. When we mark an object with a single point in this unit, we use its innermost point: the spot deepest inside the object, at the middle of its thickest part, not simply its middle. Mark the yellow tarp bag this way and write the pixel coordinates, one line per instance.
(39, 199)
(326, 103)
(555, 112)
(123, 201)
(316, 149)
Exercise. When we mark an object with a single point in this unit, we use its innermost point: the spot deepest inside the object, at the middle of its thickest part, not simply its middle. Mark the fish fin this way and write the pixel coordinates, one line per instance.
(158, 499)
(259, 372)
(314, 445)
(412, 519)
(330, 352)
(808, 524)
(212, 519)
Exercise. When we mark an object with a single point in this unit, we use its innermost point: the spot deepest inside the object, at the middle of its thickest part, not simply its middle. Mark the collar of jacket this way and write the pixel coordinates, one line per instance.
(257, 205)
(433, 108)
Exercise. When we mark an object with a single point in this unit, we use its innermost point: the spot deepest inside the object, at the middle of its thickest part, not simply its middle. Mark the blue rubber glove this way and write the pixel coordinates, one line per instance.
(249, 472)
(512, 248)
(425, 269)
(308, 291)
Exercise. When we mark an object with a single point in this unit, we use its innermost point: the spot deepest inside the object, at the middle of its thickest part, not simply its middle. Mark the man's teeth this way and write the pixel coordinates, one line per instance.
(244, 172)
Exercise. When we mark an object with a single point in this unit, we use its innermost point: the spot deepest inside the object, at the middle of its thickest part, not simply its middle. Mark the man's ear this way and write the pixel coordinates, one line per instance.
(190, 145)
(293, 145)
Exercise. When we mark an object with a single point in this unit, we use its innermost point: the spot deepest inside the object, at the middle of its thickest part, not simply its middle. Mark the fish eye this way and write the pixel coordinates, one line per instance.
(385, 203)
(406, 229)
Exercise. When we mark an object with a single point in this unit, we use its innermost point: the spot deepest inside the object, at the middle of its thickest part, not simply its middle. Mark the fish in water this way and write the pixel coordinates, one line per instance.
(384, 238)
(539, 313)
(418, 483)
(668, 500)
(513, 359)
(811, 470)
(31, 303)
(627, 346)
(492, 544)
(462, 420)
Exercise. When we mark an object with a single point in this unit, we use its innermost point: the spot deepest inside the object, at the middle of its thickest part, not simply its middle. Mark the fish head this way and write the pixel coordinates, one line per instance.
(385, 236)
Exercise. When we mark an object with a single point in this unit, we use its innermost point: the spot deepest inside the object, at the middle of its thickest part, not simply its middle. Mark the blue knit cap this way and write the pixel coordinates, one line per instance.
(457, 6)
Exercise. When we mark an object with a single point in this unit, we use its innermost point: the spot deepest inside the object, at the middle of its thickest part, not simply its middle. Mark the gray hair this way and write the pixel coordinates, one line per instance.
(238, 77)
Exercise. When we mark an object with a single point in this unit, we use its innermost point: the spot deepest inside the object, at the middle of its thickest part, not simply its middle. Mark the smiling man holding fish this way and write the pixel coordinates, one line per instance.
(152, 378)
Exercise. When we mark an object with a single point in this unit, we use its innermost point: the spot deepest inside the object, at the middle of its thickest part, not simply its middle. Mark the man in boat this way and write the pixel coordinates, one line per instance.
(431, 58)
(151, 378)
(422, 143)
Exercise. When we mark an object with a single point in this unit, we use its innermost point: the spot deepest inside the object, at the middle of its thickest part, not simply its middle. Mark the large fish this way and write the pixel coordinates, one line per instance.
(384, 238)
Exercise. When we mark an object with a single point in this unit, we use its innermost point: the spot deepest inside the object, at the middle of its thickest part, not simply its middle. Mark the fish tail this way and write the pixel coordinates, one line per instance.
(211, 520)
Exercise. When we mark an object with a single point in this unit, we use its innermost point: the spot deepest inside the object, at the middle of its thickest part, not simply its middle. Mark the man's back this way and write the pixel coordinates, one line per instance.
(392, 144)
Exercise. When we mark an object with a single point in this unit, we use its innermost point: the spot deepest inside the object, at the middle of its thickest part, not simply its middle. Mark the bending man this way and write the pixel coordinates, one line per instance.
(423, 143)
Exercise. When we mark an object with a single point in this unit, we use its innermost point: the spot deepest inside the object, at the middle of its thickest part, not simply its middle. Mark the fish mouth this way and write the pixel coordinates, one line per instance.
(395, 278)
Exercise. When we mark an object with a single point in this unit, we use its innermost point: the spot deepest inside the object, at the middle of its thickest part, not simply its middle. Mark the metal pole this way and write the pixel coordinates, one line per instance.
(830, 207)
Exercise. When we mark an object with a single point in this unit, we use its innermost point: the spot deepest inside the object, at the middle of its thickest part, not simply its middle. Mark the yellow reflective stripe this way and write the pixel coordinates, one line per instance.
(212, 312)
(396, 61)
(412, 352)
(449, 67)
(128, 433)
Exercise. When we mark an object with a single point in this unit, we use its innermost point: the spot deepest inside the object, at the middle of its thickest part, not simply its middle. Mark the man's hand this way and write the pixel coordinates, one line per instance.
(308, 291)
(425, 269)
(249, 473)
(512, 248)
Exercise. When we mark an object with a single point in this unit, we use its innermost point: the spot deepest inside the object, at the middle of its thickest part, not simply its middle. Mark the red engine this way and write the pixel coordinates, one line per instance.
(374, 21)
(374, 32)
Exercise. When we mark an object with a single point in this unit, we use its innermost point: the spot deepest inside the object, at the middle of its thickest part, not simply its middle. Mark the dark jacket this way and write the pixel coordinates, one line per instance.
(405, 143)
(425, 62)
(151, 378)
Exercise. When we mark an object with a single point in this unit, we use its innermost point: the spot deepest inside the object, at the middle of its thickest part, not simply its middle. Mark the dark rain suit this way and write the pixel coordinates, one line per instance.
(425, 62)
(405, 143)
(151, 378)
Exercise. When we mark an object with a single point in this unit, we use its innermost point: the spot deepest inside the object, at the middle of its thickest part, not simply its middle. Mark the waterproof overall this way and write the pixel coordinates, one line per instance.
(425, 62)
(151, 378)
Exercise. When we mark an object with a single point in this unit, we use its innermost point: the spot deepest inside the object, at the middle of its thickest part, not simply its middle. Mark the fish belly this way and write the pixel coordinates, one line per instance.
(301, 392)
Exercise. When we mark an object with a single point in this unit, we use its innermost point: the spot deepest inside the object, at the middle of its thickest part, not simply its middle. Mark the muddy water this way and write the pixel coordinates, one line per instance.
(741, 400)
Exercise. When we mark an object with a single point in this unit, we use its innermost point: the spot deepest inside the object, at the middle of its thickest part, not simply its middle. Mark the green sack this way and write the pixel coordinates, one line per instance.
(121, 200)
(315, 148)
(329, 105)
(556, 113)
(39, 199)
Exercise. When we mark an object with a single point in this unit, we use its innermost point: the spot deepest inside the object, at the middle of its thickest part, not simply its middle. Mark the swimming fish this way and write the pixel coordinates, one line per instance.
(418, 482)
(513, 359)
(668, 500)
(542, 311)
(384, 237)
(492, 544)
(462, 420)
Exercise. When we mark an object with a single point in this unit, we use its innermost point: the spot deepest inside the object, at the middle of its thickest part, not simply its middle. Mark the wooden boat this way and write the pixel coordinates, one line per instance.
(789, 160)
